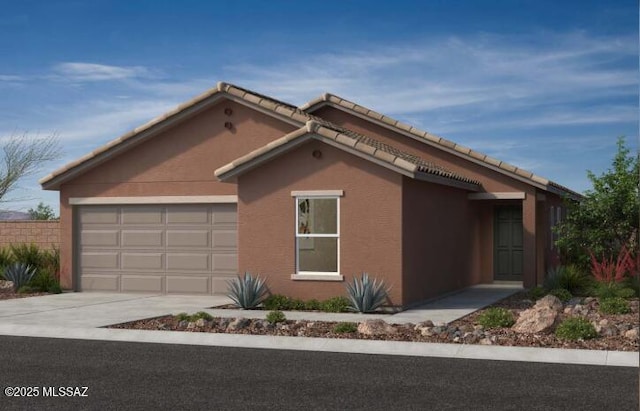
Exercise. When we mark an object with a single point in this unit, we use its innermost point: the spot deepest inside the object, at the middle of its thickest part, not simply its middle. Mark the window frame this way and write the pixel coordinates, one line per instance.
(321, 195)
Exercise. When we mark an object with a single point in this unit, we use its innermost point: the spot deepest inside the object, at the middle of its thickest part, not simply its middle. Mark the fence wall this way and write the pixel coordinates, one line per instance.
(45, 234)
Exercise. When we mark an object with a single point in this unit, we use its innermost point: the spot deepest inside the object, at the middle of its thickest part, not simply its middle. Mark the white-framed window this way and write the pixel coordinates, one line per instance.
(317, 233)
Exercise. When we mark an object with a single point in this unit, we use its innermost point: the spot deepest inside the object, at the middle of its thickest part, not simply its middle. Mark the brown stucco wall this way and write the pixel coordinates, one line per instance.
(179, 161)
(440, 234)
(370, 219)
(44, 234)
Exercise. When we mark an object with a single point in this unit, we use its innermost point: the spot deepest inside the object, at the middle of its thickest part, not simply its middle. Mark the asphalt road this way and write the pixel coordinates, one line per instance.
(139, 376)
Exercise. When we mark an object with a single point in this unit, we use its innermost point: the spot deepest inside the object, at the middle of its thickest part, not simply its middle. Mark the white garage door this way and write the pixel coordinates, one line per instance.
(179, 249)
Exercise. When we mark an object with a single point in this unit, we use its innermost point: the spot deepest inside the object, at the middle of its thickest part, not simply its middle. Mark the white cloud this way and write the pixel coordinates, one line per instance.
(78, 71)
(10, 78)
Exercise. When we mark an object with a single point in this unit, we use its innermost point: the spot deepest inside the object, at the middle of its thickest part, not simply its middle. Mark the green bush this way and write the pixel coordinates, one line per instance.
(633, 283)
(25, 289)
(276, 316)
(614, 305)
(203, 315)
(537, 292)
(576, 328)
(496, 317)
(313, 305)
(28, 254)
(182, 317)
(611, 289)
(342, 328)
(570, 277)
(335, 305)
(277, 302)
(50, 260)
(247, 291)
(297, 304)
(562, 294)
(6, 259)
(44, 281)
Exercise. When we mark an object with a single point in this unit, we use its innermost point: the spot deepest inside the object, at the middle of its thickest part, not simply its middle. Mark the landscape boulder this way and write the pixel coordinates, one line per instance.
(376, 327)
(540, 317)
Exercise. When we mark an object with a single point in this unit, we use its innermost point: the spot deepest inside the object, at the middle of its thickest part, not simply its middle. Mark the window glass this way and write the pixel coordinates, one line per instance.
(317, 216)
(322, 257)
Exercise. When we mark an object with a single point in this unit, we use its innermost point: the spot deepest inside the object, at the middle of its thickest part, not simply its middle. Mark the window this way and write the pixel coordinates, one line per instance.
(317, 234)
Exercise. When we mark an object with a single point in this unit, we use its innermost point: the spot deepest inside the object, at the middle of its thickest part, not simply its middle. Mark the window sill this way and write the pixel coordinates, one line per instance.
(317, 277)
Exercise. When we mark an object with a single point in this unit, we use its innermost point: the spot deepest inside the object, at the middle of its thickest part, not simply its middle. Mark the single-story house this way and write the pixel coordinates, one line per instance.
(307, 197)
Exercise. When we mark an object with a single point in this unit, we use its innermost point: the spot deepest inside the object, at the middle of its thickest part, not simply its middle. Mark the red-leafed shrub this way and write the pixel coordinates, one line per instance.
(608, 270)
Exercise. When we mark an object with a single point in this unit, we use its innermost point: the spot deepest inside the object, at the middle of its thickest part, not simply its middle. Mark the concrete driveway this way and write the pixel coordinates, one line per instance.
(91, 310)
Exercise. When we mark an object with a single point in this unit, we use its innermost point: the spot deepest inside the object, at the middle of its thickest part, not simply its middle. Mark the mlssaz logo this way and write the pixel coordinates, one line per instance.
(65, 391)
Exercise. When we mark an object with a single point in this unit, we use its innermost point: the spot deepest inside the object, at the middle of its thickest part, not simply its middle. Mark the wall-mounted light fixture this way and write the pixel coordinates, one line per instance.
(228, 111)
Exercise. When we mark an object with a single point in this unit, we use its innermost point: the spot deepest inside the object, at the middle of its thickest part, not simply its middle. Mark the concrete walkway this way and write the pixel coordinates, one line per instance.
(80, 316)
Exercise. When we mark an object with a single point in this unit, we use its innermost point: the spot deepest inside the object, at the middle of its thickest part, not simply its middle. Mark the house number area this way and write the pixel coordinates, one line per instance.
(45, 391)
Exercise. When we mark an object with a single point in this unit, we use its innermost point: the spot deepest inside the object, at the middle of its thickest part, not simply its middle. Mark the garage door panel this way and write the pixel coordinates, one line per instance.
(100, 282)
(188, 215)
(225, 262)
(188, 285)
(225, 214)
(141, 283)
(98, 238)
(142, 261)
(142, 215)
(175, 248)
(225, 239)
(142, 238)
(188, 238)
(188, 262)
(99, 260)
(99, 215)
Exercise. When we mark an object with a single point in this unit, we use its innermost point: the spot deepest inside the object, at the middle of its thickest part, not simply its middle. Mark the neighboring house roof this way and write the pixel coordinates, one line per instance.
(438, 142)
(8, 215)
(352, 142)
(299, 118)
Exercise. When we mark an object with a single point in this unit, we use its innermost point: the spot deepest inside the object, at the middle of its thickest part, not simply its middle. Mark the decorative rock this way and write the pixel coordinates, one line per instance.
(568, 310)
(588, 300)
(574, 301)
(191, 326)
(201, 322)
(485, 341)
(183, 324)
(549, 301)
(456, 339)
(375, 327)
(535, 320)
(632, 334)
(423, 324)
(238, 324)
(426, 331)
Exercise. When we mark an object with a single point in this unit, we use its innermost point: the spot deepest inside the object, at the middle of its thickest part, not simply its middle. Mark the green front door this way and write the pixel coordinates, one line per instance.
(507, 243)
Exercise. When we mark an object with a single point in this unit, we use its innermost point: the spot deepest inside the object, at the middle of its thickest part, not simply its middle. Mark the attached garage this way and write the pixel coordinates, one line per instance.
(167, 248)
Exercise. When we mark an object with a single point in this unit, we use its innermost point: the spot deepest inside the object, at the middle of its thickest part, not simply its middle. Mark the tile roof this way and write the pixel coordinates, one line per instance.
(366, 146)
(432, 139)
(299, 117)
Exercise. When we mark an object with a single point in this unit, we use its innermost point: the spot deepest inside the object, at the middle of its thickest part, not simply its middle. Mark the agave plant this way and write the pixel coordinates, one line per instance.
(247, 292)
(366, 295)
(20, 274)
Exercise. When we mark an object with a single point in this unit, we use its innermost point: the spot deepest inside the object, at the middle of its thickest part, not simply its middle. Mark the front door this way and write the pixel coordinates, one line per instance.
(507, 243)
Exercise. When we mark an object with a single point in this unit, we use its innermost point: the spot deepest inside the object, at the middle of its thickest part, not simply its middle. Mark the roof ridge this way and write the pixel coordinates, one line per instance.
(435, 139)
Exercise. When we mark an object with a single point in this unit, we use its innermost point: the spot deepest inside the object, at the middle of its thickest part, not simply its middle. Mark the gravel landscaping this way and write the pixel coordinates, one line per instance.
(618, 332)
(7, 293)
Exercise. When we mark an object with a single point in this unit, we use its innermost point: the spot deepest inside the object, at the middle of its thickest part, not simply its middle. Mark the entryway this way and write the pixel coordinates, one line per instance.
(507, 243)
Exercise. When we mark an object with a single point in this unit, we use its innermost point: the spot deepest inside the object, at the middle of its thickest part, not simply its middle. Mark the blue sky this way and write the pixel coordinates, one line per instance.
(544, 85)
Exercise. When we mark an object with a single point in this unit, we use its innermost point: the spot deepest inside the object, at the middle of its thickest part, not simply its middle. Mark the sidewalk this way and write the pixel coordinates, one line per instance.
(80, 316)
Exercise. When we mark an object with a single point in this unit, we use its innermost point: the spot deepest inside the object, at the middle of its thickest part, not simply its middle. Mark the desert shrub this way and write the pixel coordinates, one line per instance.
(25, 289)
(335, 305)
(562, 294)
(276, 316)
(28, 254)
(342, 328)
(366, 295)
(201, 315)
(247, 292)
(50, 260)
(611, 289)
(277, 302)
(182, 317)
(576, 328)
(610, 270)
(537, 292)
(313, 305)
(297, 304)
(614, 305)
(570, 277)
(45, 282)
(496, 317)
(634, 284)
(6, 259)
(20, 274)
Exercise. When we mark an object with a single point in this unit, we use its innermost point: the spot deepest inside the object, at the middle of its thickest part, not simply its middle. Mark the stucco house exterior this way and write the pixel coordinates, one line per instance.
(308, 197)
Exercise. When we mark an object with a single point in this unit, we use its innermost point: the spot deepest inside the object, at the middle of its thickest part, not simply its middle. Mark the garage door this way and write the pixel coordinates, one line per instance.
(179, 249)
